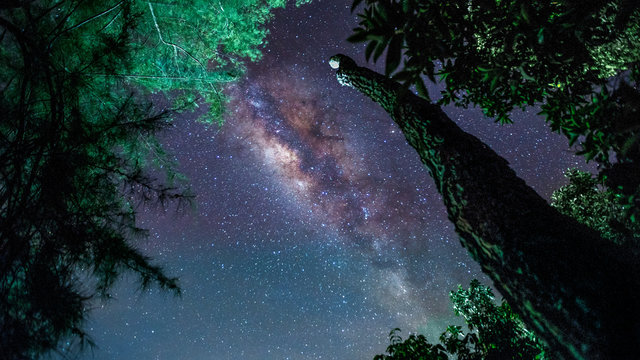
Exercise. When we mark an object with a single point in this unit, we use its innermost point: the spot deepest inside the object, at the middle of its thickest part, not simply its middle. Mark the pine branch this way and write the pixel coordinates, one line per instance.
(93, 17)
(175, 46)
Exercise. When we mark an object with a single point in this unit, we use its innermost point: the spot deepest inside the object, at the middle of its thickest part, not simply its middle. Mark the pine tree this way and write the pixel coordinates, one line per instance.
(78, 152)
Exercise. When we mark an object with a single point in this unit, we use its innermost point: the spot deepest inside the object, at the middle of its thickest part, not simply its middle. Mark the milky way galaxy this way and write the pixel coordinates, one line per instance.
(298, 136)
(317, 230)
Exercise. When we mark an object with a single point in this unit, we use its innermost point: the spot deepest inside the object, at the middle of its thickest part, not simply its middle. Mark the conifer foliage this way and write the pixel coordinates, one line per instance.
(78, 153)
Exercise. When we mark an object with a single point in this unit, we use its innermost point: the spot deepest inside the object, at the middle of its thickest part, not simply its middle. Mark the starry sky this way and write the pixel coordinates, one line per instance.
(316, 230)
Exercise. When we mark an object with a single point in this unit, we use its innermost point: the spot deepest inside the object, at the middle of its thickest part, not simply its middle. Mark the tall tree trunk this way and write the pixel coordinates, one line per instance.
(579, 293)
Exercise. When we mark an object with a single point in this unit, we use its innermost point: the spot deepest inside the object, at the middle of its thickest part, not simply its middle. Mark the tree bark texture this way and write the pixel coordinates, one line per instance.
(579, 293)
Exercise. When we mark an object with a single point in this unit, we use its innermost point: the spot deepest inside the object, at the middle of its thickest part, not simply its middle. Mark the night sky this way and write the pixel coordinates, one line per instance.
(317, 230)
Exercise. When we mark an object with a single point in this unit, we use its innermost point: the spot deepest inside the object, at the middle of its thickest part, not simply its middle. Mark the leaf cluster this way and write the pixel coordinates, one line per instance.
(586, 200)
(495, 332)
(414, 347)
(579, 62)
(78, 149)
(77, 156)
(190, 49)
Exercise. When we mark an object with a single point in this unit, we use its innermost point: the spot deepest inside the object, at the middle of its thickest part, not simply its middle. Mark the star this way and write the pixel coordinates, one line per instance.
(317, 230)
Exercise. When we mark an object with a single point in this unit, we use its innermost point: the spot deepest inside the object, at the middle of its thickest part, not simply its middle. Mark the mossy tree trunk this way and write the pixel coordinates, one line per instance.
(578, 292)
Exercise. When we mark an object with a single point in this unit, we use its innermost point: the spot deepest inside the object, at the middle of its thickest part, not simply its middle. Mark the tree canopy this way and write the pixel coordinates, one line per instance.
(578, 61)
(585, 200)
(78, 152)
(532, 252)
(495, 332)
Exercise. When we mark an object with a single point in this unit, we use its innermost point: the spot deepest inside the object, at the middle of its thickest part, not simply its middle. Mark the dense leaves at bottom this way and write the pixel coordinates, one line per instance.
(495, 332)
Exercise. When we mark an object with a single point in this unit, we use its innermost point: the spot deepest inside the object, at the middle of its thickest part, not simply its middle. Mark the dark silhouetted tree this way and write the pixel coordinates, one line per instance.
(78, 153)
(576, 290)
(578, 60)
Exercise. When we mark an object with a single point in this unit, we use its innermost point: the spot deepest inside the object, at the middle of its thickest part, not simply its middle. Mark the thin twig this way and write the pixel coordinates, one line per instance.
(93, 17)
(175, 46)
(164, 77)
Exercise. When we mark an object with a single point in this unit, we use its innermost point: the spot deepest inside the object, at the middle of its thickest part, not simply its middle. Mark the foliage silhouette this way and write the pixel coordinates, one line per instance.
(585, 200)
(78, 152)
(578, 61)
(559, 275)
(495, 332)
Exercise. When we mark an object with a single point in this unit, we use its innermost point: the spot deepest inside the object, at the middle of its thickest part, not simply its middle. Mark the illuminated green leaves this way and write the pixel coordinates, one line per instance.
(495, 332)
(505, 55)
(414, 347)
(585, 200)
(80, 153)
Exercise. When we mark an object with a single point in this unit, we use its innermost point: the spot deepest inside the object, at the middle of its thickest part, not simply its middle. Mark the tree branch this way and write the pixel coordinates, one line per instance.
(577, 291)
(175, 46)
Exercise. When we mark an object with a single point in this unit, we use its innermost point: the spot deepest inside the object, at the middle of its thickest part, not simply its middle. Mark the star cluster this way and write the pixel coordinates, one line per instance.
(316, 230)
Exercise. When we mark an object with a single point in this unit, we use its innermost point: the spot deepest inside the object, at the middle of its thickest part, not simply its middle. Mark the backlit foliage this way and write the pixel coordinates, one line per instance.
(78, 152)
(585, 200)
(578, 61)
(495, 332)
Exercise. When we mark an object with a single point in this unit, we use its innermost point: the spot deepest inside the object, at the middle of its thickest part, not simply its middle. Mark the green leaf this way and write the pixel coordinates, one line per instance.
(359, 35)
(405, 75)
(525, 75)
(369, 49)
(380, 49)
(430, 71)
(406, 6)
(541, 36)
(494, 82)
(524, 13)
(421, 88)
(394, 54)
(572, 138)
(382, 13)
